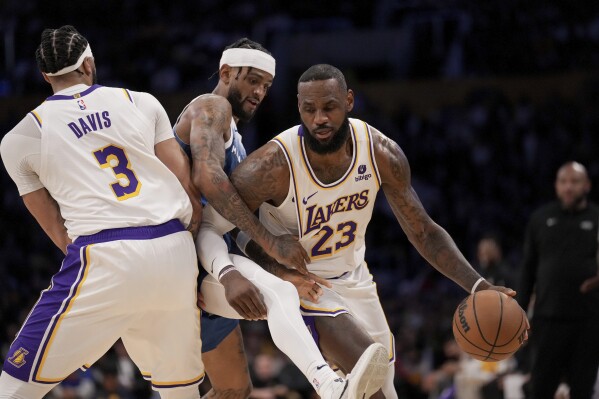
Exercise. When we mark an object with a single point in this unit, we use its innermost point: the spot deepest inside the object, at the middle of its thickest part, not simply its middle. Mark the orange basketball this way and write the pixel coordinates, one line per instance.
(489, 325)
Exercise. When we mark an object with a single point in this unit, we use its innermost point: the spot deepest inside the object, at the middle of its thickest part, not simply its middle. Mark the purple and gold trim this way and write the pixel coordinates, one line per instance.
(128, 95)
(175, 384)
(392, 346)
(311, 310)
(65, 309)
(371, 156)
(132, 233)
(73, 96)
(37, 117)
(311, 173)
(293, 179)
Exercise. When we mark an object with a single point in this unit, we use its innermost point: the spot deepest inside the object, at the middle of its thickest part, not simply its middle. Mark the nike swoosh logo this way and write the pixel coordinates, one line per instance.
(305, 200)
(212, 266)
(321, 366)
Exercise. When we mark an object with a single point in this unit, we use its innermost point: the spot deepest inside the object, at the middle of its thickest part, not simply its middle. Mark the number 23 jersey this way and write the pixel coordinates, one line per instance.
(330, 219)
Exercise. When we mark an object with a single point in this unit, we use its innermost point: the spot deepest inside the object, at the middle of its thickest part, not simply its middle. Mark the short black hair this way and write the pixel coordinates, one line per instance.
(323, 72)
(247, 43)
(59, 48)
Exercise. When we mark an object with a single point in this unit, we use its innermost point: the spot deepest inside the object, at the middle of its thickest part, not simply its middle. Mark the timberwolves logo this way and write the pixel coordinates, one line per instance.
(18, 358)
(81, 104)
(362, 173)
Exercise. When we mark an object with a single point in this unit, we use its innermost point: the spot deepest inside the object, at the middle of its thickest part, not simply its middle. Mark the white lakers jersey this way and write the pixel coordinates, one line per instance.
(98, 163)
(330, 219)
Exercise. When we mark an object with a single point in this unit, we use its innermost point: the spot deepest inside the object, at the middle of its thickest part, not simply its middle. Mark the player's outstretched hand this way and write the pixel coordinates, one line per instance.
(507, 291)
(243, 296)
(289, 252)
(308, 287)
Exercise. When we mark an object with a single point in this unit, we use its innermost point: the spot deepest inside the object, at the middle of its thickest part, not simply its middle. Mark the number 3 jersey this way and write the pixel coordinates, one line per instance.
(92, 148)
(330, 219)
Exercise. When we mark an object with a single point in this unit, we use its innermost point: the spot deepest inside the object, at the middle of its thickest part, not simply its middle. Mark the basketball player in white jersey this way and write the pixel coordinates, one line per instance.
(319, 181)
(207, 131)
(99, 170)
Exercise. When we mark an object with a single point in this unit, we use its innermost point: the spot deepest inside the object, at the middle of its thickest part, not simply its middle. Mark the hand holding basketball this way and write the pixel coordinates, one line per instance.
(489, 325)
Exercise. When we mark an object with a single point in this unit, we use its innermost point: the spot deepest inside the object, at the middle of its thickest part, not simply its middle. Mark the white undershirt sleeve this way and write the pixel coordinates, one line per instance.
(151, 107)
(21, 154)
(210, 244)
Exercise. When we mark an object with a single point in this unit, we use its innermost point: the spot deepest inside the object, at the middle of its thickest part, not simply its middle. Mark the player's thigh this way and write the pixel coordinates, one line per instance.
(74, 322)
(227, 366)
(162, 337)
(166, 347)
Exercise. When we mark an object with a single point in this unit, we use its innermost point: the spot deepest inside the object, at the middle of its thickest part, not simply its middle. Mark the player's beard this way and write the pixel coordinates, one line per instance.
(337, 140)
(234, 98)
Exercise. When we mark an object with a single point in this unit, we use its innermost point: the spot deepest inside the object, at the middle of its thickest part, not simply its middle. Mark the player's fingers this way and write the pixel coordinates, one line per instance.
(243, 310)
(321, 280)
(314, 296)
(258, 306)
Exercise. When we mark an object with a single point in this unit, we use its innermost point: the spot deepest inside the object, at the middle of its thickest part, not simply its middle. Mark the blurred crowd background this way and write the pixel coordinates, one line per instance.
(487, 99)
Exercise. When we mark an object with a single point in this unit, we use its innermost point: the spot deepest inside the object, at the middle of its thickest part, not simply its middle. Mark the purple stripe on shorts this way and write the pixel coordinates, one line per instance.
(132, 233)
(53, 301)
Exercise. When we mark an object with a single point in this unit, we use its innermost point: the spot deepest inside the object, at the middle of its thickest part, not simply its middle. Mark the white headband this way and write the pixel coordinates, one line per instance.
(86, 53)
(240, 57)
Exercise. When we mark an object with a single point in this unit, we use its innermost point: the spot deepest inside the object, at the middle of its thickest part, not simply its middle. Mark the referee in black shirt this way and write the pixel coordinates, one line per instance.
(560, 267)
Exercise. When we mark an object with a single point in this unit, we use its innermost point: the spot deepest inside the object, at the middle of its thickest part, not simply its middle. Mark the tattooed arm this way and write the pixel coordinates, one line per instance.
(210, 117)
(264, 177)
(430, 239)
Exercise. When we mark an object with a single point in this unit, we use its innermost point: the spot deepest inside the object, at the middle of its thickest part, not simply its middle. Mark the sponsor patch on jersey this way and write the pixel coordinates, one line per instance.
(18, 357)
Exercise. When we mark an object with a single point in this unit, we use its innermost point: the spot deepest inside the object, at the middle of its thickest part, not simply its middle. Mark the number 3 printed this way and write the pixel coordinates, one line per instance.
(115, 157)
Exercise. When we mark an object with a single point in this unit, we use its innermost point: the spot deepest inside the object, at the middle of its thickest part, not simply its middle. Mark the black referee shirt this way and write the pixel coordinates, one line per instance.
(560, 252)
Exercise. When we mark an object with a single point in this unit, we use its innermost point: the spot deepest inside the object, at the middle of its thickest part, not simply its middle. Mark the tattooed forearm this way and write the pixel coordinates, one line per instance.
(257, 254)
(430, 239)
(211, 119)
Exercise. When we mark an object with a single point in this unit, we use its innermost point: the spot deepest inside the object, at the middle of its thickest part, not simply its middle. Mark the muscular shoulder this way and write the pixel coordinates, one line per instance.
(263, 176)
(206, 106)
(390, 158)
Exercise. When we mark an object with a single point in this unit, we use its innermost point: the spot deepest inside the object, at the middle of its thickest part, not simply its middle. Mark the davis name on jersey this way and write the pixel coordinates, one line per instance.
(90, 123)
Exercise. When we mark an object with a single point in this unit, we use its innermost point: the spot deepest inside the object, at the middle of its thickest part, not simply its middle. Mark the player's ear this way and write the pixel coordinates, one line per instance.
(46, 78)
(224, 73)
(88, 66)
(349, 103)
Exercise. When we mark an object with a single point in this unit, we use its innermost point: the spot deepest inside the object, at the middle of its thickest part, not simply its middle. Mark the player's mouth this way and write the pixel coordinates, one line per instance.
(323, 134)
(253, 103)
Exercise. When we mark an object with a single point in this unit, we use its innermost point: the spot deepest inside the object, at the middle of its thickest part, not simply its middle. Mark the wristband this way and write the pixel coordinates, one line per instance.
(475, 286)
(227, 269)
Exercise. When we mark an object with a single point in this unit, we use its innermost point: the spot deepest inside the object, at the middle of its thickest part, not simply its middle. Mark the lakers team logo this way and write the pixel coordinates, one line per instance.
(18, 357)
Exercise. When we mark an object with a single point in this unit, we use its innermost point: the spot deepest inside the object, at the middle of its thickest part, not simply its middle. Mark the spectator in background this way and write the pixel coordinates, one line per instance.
(560, 268)
(490, 261)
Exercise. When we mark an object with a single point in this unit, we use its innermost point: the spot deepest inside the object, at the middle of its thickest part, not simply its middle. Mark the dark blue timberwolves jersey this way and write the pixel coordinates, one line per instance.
(234, 149)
